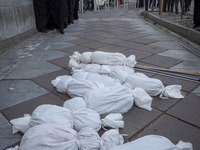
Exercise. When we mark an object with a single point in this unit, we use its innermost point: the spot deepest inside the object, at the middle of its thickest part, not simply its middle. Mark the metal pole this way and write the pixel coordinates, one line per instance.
(169, 74)
(95, 5)
(161, 7)
(171, 70)
(137, 4)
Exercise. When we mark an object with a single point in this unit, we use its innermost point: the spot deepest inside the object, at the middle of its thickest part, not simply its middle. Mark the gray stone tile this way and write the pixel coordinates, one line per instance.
(138, 54)
(57, 45)
(136, 119)
(129, 44)
(180, 54)
(163, 61)
(193, 66)
(32, 69)
(187, 110)
(45, 55)
(16, 91)
(168, 45)
(112, 48)
(196, 91)
(6, 136)
(159, 37)
(173, 129)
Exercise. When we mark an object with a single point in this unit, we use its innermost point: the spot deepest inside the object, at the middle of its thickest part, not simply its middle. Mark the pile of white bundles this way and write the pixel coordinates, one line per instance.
(120, 67)
(60, 137)
(46, 114)
(113, 98)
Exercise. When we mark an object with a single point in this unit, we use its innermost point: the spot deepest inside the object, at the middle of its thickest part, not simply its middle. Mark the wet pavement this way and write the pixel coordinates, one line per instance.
(26, 72)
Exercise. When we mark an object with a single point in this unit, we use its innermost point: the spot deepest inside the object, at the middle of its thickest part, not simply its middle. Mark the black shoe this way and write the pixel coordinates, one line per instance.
(62, 32)
(44, 30)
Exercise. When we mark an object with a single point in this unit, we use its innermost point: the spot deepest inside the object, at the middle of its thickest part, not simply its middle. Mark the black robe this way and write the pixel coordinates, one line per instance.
(196, 16)
(41, 14)
(71, 4)
(59, 13)
(76, 8)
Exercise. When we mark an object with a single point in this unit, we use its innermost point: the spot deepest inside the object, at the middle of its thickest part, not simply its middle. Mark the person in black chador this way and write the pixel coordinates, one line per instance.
(196, 16)
(76, 8)
(41, 15)
(71, 4)
(59, 12)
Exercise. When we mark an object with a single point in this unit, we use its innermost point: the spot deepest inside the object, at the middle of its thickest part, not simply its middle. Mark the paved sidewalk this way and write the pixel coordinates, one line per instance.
(26, 72)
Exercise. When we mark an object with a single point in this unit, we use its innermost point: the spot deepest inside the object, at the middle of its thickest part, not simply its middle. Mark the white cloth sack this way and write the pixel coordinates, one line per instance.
(106, 58)
(78, 88)
(113, 121)
(107, 100)
(58, 137)
(111, 138)
(61, 83)
(94, 77)
(74, 103)
(142, 99)
(100, 57)
(43, 114)
(152, 86)
(153, 142)
(88, 139)
(84, 117)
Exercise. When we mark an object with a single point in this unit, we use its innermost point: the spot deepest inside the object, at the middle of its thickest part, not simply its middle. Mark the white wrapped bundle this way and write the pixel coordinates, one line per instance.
(106, 58)
(58, 137)
(86, 57)
(116, 99)
(104, 79)
(102, 58)
(111, 138)
(113, 121)
(142, 99)
(43, 114)
(74, 103)
(85, 117)
(78, 88)
(88, 139)
(61, 83)
(152, 86)
(153, 142)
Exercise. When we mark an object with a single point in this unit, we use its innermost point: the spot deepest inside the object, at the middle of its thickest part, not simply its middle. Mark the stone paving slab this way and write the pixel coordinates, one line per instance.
(151, 49)
(70, 50)
(163, 61)
(163, 104)
(186, 85)
(136, 119)
(173, 129)
(45, 82)
(6, 136)
(30, 105)
(16, 91)
(187, 110)
(138, 54)
(32, 69)
(61, 62)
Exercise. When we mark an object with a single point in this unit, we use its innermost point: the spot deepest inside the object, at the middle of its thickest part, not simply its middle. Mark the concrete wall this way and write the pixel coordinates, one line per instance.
(17, 21)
